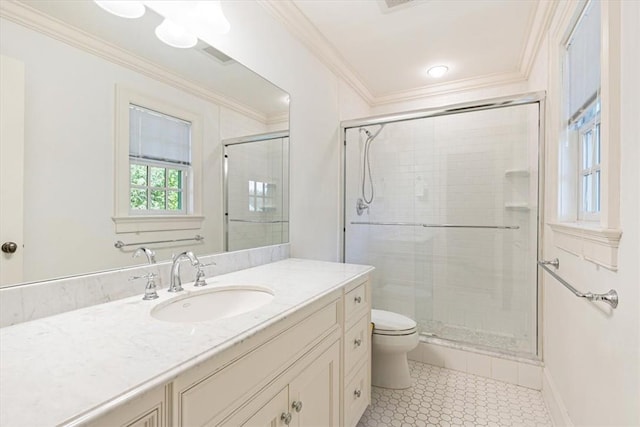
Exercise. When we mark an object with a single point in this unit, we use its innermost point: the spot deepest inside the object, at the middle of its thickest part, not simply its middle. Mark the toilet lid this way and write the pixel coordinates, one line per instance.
(387, 321)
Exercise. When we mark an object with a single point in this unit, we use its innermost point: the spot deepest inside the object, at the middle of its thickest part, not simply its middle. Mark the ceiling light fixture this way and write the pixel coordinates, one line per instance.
(438, 71)
(211, 12)
(124, 9)
(174, 35)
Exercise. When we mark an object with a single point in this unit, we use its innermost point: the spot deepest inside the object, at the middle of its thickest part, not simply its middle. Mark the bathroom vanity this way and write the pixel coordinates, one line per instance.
(301, 359)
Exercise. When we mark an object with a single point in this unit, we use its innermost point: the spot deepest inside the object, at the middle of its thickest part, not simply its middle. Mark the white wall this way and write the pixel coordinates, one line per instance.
(261, 43)
(591, 354)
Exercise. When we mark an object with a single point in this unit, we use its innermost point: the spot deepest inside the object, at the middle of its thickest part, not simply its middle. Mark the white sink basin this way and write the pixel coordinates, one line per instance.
(215, 303)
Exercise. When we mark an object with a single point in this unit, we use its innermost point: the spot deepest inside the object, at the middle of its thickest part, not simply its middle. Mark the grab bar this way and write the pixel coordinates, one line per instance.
(257, 221)
(610, 297)
(418, 224)
(120, 244)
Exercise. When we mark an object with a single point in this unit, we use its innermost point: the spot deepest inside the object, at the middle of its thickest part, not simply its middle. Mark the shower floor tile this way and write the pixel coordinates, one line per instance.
(442, 397)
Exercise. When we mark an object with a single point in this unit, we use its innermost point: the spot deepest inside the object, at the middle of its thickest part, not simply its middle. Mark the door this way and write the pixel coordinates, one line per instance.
(11, 168)
(270, 414)
(314, 394)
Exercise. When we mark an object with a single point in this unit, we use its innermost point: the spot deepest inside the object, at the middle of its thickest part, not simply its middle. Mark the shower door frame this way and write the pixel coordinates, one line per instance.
(466, 107)
(225, 172)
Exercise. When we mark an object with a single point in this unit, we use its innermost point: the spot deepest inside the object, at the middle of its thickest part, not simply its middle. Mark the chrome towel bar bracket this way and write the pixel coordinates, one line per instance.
(120, 244)
(610, 297)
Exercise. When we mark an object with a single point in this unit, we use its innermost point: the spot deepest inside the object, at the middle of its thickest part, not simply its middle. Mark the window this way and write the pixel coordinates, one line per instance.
(261, 196)
(583, 110)
(160, 161)
(582, 98)
(588, 128)
(158, 165)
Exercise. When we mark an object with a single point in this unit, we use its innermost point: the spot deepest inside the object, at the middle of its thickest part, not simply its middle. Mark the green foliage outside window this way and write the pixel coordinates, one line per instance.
(155, 188)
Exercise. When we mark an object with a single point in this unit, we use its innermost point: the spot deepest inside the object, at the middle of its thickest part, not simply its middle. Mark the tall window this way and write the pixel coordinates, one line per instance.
(582, 95)
(159, 162)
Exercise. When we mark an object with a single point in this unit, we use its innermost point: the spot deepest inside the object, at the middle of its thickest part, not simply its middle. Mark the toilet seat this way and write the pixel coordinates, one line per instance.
(394, 324)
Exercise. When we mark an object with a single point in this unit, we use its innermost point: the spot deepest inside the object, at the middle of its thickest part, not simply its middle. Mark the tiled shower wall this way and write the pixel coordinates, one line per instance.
(266, 162)
(479, 168)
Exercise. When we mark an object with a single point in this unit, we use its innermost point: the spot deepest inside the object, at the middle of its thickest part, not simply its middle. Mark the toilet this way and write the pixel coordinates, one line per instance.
(394, 335)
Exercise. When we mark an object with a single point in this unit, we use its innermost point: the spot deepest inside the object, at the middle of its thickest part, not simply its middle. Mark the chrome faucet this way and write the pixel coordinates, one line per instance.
(151, 255)
(176, 282)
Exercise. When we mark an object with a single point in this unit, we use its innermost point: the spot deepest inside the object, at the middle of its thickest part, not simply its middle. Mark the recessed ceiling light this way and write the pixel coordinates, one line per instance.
(438, 71)
(124, 9)
(174, 35)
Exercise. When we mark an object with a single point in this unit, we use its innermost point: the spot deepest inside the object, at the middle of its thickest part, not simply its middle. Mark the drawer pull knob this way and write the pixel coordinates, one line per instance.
(357, 342)
(286, 418)
(358, 299)
(357, 393)
(297, 405)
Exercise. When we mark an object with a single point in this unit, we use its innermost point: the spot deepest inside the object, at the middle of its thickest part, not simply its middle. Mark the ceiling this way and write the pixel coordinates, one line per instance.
(226, 82)
(384, 52)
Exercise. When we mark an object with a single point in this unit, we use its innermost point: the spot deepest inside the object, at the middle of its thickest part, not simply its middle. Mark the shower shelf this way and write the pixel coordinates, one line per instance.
(516, 172)
(517, 206)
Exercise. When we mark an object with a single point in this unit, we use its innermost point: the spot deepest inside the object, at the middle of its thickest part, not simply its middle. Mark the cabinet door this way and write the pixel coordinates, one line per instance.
(270, 414)
(314, 393)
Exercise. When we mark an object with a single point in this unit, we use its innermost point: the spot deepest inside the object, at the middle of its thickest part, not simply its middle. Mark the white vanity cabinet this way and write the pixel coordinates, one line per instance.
(148, 410)
(356, 378)
(296, 360)
(310, 369)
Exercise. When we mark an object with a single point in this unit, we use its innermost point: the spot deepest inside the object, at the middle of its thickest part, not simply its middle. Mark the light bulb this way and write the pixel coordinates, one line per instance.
(124, 9)
(174, 35)
(438, 71)
(211, 12)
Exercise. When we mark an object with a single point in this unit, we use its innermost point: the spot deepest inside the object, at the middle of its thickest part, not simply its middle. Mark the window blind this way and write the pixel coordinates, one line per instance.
(583, 61)
(157, 136)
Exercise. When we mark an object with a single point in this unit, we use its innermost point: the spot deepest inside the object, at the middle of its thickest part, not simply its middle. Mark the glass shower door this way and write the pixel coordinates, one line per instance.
(256, 192)
(452, 229)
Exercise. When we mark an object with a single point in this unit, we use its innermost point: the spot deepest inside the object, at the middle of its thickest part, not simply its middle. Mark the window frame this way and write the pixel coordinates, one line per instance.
(124, 219)
(184, 190)
(595, 241)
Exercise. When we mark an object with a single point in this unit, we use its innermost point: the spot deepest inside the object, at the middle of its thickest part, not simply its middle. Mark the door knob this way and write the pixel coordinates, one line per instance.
(9, 247)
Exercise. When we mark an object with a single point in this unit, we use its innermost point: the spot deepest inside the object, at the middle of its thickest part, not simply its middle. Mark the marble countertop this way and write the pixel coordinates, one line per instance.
(79, 364)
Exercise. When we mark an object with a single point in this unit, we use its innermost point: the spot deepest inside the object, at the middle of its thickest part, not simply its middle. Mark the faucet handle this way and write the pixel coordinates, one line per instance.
(200, 274)
(149, 290)
(149, 276)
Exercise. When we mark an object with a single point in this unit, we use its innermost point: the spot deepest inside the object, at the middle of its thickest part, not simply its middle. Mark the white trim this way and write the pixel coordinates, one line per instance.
(595, 244)
(301, 28)
(35, 20)
(137, 224)
(555, 405)
(123, 219)
(299, 25)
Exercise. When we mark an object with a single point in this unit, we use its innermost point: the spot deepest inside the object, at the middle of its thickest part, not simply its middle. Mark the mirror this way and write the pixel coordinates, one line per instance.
(75, 57)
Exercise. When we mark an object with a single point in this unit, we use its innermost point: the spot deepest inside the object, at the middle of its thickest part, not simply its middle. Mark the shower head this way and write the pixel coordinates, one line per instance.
(366, 131)
(371, 136)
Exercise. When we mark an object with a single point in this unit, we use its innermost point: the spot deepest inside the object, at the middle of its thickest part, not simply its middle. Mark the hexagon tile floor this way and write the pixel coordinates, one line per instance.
(442, 397)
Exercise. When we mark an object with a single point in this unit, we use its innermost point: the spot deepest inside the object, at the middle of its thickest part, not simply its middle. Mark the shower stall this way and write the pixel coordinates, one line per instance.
(256, 190)
(445, 204)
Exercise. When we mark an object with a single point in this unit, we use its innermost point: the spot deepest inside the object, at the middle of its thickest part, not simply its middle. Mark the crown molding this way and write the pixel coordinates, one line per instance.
(302, 29)
(462, 85)
(538, 27)
(35, 20)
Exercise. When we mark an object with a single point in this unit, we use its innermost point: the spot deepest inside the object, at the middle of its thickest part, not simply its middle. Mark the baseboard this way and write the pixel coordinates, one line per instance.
(555, 405)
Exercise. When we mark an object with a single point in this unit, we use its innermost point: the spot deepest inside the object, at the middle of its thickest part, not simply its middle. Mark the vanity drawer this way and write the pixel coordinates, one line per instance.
(218, 392)
(356, 302)
(356, 396)
(356, 344)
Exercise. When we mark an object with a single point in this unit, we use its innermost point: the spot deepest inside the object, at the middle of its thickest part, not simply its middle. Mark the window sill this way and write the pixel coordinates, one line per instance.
(136, 224)
(594, 244)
